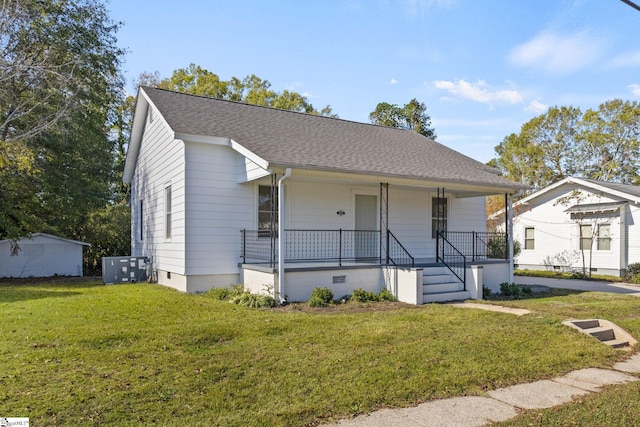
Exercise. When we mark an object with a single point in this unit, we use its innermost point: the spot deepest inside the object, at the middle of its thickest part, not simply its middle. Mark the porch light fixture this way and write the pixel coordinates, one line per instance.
(340, 212)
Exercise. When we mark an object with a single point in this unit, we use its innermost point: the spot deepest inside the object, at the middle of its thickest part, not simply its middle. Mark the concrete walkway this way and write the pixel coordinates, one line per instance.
(502, 404)
(580, 285)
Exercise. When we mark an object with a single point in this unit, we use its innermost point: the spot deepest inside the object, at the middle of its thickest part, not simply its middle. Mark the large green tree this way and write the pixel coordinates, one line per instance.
(251, 89)
(60, 89)
(413, 115)
(602, 143)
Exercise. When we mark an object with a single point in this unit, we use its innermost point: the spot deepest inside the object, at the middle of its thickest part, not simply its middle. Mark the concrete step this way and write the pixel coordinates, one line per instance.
(603, 333)
(446, 296)
(617, 343)
(436, 288)
(436, 278)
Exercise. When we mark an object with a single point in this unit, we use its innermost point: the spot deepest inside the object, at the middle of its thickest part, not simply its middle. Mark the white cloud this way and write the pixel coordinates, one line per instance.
(393, 81)
(479, 91)
(558, 54)
(635, 89)
(536, 107)
(629, 59)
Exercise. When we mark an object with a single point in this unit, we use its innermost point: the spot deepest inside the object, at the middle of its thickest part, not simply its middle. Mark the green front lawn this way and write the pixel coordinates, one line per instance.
(80, 354)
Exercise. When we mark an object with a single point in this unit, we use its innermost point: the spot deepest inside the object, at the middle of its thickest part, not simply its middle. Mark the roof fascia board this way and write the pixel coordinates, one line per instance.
(459, 189)
(264, 164)
(143, 103)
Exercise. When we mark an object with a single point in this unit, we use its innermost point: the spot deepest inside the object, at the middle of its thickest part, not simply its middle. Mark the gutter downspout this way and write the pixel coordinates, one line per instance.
(280, 290)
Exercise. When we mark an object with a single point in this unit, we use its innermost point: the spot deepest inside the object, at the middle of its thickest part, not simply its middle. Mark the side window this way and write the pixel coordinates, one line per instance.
(529, 238)
(167, 212)
(267, 210)
(604, 237)
(438, 216)
(141, 222)
(586, 234)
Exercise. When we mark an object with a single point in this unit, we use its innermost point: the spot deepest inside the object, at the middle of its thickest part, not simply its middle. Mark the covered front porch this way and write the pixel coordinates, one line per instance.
(346, 232)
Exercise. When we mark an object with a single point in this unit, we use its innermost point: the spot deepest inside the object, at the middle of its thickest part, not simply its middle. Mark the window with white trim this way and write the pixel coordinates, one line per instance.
(267, 206)
(438, 215)
(586, 236)
(167, 212)
(604, 237)
(141, 222)
(529, 238)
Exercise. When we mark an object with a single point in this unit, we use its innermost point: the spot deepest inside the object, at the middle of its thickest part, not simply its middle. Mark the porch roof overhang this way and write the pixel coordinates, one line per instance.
(595, 208)
(460, 188)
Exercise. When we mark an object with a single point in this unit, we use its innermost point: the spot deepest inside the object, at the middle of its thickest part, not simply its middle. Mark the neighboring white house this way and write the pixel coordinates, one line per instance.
(579, 222)
(42, 255)
(362, 206)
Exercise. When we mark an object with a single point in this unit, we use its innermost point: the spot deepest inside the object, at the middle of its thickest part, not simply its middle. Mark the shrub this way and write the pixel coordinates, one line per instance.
(224, 294)
(321, 297)
(633, 269)
(360, 295)
(636, 279)
(253, 300)
(385, 295)
(486, 292)
(513, 291)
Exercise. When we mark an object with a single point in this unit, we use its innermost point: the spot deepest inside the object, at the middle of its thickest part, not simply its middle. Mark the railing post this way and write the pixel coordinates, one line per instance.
(388, 240)
(244, 245)
(473, 236)
(340, 249)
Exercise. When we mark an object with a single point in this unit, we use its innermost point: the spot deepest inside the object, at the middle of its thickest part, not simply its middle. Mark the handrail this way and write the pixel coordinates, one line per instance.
(441, 255)
(405, 253)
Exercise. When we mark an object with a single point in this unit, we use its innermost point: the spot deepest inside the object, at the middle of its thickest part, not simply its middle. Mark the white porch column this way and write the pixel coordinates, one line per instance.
(281, 250)
(510, 240)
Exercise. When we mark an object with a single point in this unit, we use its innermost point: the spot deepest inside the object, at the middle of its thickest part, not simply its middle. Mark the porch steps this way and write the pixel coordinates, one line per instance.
(439, 285)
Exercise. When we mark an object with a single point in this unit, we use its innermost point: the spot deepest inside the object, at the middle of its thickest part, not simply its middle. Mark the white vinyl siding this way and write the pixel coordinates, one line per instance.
(218, 207)
(160, 161)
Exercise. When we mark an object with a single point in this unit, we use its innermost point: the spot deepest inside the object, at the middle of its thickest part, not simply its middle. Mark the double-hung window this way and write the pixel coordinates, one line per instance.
(604, 237)
(267, 210)
(167, 212)
(586, 237)
(529, 238)
(438, 216)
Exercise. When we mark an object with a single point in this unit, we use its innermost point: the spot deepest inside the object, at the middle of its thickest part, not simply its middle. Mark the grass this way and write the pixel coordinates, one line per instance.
(86, 354)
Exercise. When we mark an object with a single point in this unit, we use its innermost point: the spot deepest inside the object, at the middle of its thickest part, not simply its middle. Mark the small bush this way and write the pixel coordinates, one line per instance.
(321, 297)
(513, 291)
(224, 294)
(385, 295)
(250, 300)
(486, 292)
(636, 279)
(360, 295)
(633, 269)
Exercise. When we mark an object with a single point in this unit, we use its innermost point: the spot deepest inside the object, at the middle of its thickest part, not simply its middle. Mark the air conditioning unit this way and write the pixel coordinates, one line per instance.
(130, 269)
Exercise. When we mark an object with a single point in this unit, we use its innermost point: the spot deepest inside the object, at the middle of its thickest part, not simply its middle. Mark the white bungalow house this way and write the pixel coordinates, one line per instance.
(579, 223)
(215, 183)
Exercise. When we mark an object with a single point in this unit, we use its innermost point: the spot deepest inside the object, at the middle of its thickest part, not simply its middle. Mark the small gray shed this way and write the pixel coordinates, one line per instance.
(42, 255)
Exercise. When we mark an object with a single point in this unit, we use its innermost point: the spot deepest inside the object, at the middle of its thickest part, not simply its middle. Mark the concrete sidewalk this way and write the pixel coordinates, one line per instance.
(502, 404)
(581, 285)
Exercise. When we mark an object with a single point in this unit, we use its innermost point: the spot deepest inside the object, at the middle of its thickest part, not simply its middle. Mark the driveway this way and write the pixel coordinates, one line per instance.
(580, 285)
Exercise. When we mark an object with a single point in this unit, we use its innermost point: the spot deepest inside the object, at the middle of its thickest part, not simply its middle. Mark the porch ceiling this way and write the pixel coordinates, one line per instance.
(458, 189)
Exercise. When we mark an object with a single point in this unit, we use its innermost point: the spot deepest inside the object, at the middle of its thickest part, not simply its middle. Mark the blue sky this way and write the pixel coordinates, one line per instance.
(483, 68)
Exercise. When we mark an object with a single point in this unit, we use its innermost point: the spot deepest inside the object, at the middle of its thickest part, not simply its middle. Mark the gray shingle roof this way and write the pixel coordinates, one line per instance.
(634, 190)
(298, 140)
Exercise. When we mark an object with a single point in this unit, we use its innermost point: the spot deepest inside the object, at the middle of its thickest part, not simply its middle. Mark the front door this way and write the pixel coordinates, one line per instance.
(366, 239)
